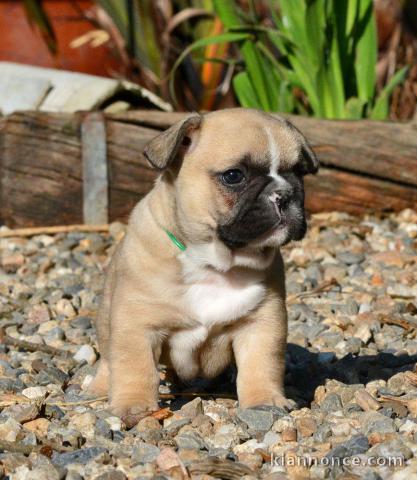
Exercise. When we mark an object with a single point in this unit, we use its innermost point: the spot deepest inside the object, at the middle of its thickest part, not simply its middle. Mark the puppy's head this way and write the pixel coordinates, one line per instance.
(238, 176)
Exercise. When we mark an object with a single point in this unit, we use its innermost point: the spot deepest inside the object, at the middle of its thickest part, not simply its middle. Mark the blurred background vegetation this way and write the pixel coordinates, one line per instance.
(326, 58)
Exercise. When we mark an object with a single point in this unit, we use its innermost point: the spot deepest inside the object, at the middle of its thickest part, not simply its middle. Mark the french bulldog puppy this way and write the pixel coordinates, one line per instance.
(198, 280)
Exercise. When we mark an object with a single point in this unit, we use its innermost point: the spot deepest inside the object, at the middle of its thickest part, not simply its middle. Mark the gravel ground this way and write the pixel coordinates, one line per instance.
(350, 367)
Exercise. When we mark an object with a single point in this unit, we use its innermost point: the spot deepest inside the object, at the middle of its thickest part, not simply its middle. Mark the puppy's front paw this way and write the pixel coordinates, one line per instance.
(272, 399)
(132, 412)
(279, 400)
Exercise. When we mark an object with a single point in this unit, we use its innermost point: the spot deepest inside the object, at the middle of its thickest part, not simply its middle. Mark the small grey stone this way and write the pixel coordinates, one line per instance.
(222, 454)
(331, 403)
(11, 385)
(354, 446)
(72, 290)
(145, 453)
(323, 432)
(260, 419)
(271, 438)
(10, 372)
(30, 439)
(150, 436)
(277, 412)
(81, 322)
(349, 307)
(81, 456)
(396, 384)
(51, 375)
(53, 412)
(368, 474)
(387, 412)
(72, 475)
(192, 409)
(292, 289)
(86, 353)
(375, 422)
(112, 475)
(314, 271)
(29, 328)
(21, 412)
(118, 436)
(394, 448)
(190, 440)
(350, 258)
(351, 407)
(102, 428)
(61, 434)
(56, 333)
(73, 394)
(353, 345)
(174, 427)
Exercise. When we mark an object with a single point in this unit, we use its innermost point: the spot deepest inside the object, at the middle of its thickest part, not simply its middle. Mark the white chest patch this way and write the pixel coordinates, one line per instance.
(221, 297)
(211, 298)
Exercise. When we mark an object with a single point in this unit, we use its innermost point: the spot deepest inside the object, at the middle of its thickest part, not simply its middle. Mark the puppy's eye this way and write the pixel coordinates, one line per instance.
(233, 176)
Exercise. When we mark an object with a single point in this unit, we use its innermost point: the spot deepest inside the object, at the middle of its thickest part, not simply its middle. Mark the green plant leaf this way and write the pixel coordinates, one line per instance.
(381, 107)
(228, 12)
(146, 36)
(258, 74)
(335, 75)
(245, 92)
(366, 50)
(202, 42)
(354, 108)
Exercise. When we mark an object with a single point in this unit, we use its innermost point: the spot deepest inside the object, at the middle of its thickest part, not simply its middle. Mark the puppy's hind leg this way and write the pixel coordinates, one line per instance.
(100, 383)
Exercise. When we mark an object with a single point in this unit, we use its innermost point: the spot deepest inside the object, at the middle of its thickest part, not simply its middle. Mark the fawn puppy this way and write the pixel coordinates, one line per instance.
(198, 280)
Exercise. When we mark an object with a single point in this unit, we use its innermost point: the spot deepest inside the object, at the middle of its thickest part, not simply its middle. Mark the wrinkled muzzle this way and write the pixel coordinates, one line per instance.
(254, 217)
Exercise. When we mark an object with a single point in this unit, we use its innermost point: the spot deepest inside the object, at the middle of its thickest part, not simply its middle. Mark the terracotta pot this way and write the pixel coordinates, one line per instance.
(21, 43)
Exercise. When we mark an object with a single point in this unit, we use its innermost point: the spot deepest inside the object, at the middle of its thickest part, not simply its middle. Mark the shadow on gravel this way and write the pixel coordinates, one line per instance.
(305, 371)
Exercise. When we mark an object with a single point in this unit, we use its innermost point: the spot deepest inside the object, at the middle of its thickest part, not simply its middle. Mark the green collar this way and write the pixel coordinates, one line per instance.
(175, 241)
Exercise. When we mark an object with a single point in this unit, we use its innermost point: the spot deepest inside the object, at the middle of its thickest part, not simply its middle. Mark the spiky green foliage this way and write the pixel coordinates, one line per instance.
(327, 49)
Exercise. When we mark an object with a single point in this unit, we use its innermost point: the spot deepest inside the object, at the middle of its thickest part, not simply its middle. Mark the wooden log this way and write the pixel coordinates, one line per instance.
(348, 192)
(384, 150)
(40, 169)
(366, 166)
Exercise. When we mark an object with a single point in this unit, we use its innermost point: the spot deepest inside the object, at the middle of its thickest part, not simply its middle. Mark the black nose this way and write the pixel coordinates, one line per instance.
(280, 198)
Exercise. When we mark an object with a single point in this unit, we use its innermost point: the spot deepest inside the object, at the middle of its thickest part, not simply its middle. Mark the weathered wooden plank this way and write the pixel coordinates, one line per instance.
(95, 171)
(41, 168)
(130, 175)
(335, 190)
(383, 150)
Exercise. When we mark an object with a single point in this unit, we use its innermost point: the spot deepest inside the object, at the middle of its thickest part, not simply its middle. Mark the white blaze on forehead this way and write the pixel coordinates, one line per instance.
(274, 153)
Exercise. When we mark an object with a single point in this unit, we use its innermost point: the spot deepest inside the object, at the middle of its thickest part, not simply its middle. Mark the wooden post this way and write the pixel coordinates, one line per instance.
(95, 174)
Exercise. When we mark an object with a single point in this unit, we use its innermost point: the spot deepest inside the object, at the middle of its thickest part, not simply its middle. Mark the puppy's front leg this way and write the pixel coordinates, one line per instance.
(134, 354)
(259, 348)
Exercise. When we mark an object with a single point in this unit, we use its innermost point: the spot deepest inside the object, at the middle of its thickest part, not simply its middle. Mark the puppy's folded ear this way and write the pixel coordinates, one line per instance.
(309, 159)
(164, 148)
(308, 162)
